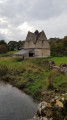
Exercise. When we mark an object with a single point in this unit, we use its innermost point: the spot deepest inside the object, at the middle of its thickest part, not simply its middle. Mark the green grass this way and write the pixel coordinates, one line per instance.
(8, 61)
(9, 53)
(38, 82)
(58, 60)
(31, 75)
(24, 71)
(57, 78)
(12, 52)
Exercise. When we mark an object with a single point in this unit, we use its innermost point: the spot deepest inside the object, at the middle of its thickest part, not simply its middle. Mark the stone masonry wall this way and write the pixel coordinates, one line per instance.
(29, 44)
(42, 44)
(42, 52)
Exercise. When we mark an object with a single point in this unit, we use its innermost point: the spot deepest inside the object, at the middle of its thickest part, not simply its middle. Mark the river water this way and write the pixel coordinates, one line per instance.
(14, 104)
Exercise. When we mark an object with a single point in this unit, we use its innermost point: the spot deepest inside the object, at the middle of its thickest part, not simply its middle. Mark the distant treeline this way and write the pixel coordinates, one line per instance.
(58, 46)
(10, 46)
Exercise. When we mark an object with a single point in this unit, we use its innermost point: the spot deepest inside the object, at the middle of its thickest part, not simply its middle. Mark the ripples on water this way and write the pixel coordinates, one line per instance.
(14, 104)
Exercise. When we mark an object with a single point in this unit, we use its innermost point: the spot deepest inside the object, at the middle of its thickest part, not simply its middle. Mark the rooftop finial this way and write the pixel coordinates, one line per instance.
(36, 32)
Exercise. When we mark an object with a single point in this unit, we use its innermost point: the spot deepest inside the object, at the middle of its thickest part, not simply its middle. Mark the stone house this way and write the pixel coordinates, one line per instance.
(36, 45)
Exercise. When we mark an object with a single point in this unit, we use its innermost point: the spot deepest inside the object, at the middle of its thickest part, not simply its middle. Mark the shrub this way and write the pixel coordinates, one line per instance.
(53, 74)
(3, 70)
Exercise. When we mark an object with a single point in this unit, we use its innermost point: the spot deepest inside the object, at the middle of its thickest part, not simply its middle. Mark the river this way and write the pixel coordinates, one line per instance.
(14, 104)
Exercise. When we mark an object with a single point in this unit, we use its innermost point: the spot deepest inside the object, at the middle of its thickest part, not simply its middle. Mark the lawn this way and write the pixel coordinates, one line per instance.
(58, 60)
(8, 61)
(10, 53)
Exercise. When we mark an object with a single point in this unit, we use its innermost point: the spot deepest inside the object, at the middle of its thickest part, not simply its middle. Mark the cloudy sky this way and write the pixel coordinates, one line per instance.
(17, 17)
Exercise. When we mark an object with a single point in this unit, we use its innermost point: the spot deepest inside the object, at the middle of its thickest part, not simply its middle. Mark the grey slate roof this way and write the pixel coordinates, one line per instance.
(22, 52)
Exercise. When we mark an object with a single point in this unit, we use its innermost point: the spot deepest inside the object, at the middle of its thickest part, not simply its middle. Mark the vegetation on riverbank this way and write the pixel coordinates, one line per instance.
(31, 75)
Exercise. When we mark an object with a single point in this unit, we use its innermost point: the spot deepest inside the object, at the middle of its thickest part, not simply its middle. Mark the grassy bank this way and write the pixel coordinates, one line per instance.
(9, 53)
(31, 75)
(58, 60)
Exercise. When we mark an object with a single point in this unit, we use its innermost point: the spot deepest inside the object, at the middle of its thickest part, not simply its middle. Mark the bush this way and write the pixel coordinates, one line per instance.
(58, 46)
(53, 74)
(3, 70)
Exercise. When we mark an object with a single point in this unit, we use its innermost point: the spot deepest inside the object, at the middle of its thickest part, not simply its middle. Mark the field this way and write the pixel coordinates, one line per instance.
(10, 53)
(31, 75)
(58, 60)
(11, 62)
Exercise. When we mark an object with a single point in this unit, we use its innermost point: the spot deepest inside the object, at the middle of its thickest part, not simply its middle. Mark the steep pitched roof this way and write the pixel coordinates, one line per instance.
(41, 35)
(36, 36)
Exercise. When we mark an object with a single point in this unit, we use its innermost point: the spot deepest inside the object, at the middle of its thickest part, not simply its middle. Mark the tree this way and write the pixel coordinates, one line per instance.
(65, 41)
(3, 49)
(58, 46)
(20, 45)
(13, 45)
(2, 42)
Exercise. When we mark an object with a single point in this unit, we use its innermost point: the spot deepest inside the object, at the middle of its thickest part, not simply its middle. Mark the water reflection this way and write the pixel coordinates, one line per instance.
(14, 104)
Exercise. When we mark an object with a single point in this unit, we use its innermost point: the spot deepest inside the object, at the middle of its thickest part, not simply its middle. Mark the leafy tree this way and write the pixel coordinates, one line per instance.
(58, 46)
(65, 41)
(2, 42)
(13, 45)
(3, 49)
(20, 44)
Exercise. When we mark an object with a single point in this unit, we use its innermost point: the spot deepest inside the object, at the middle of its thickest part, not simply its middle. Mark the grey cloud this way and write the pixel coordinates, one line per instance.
(47, 9)
(54, 27)
(37, 13)
(27, 10)
(2, 37)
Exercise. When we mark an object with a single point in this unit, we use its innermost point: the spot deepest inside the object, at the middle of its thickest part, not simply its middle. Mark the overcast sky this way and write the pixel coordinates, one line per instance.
(17, 17)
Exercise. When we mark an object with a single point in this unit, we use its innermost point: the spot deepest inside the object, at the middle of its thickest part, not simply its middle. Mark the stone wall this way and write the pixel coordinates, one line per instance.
(29, 44)
(42, 44)
(42, 52)
(25, 56)
(18, 56)
(39, 44)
